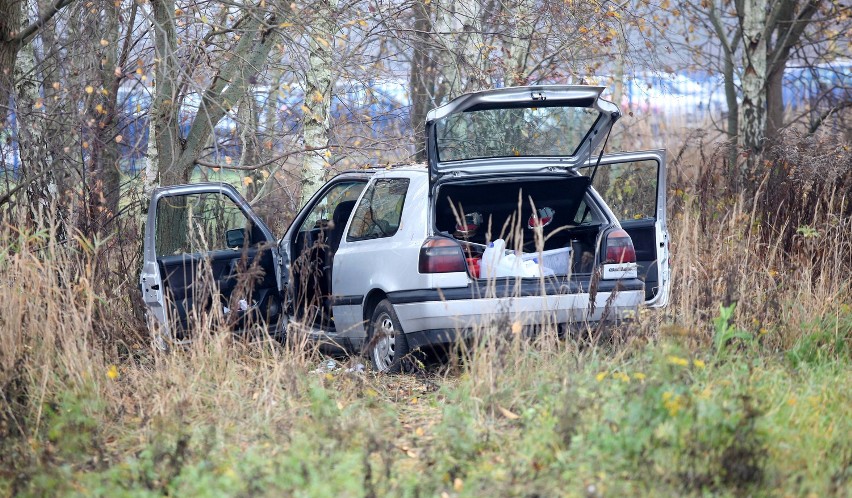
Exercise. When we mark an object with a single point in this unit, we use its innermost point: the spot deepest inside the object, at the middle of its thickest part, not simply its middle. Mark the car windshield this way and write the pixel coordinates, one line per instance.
(509, 132)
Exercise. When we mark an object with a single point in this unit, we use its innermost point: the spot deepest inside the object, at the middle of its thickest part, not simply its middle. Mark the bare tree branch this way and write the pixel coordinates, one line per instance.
(26, 34)
(826, 114)
(252, 167)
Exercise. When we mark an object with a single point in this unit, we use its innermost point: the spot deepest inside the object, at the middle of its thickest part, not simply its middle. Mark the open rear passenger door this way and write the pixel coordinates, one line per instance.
(208, 256)
(633, 184)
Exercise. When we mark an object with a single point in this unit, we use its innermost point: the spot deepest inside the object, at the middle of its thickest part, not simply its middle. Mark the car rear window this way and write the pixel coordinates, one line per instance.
(380, 210)
(509, 132)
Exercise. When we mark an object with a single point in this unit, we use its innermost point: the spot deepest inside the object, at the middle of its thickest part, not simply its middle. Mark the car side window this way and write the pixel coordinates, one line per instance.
(379, 213)
(586, 215)
(323, 210)
(630, 189)
(198, 223)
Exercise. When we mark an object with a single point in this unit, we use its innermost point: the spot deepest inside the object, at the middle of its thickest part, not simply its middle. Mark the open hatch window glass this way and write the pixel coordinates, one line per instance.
(380, 211)
(509, 132)
(198, 223)
(630, 188)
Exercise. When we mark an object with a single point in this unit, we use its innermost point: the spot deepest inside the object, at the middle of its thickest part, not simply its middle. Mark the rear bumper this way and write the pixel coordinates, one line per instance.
(459, 309)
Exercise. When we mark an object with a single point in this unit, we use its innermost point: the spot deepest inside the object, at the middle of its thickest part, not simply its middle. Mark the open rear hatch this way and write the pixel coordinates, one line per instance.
(509, 130)
(495, 159)
(492, 157)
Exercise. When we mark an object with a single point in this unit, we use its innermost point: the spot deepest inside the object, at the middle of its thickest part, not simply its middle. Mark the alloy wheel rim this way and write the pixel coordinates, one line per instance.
(385, 347)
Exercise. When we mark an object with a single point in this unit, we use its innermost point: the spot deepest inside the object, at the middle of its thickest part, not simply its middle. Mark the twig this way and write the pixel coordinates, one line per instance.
(252, 167)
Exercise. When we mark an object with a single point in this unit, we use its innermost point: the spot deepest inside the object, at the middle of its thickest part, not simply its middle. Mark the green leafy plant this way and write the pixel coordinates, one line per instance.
(725, 331)
(807, 232)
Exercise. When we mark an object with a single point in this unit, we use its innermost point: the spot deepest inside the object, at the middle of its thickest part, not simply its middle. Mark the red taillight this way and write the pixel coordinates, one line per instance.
(619, 248)
(441, 255)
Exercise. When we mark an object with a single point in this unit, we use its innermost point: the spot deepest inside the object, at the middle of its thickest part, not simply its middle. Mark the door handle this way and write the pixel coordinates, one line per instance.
(155, 287)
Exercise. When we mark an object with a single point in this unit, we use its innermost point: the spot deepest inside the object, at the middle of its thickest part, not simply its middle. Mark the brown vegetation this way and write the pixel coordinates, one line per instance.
(82, 386)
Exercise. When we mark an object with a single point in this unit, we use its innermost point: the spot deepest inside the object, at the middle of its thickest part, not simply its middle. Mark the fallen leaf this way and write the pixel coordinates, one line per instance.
(506, 413)
(458, 484)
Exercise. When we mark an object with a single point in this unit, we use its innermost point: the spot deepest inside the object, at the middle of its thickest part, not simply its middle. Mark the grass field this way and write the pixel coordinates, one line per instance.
(740, 387)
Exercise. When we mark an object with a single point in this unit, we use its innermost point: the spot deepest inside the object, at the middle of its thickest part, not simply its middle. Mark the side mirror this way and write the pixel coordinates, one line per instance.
(235, 237)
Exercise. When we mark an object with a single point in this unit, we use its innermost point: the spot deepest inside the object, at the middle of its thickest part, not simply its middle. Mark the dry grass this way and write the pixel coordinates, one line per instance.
(88, 407)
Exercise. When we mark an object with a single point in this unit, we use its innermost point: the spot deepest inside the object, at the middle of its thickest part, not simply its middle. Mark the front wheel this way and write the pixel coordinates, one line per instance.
(387, 344)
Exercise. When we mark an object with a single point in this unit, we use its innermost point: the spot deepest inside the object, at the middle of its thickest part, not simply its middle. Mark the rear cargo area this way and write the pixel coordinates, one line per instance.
(546, 214)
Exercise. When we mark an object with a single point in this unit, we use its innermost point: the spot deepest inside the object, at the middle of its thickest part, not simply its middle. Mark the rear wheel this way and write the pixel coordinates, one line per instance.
(387, 344)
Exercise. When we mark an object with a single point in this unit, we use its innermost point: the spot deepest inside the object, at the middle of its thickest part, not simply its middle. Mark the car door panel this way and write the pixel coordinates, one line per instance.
(304, 250)
(191, 280)
(384, 264)
(633, 184)
(227, 269)
(643, 234)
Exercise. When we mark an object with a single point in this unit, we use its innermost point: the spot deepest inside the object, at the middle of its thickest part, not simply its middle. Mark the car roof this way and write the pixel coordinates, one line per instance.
(417, 167)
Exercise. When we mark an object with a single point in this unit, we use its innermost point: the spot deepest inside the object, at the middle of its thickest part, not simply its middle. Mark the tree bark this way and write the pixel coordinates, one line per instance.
(176, 155)
(11, 14)
(163, 115)
(14, 34)
(519, 43)
(787, 23)
(104, 192)
(422, 77)
(451, 83)
(474, 52)
(318, 93)
(33, 136)
(618, 87)
(775, 108)
(752, 121)
(729, 49)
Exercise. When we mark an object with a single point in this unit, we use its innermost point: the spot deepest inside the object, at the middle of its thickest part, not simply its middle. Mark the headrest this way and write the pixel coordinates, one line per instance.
(342, 212)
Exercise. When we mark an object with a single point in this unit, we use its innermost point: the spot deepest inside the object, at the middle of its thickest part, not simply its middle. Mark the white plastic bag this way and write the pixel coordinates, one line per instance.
(491, 258)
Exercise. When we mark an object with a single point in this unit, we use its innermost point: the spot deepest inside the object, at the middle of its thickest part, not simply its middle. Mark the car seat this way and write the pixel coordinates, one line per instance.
(338, 223)
(339, 218)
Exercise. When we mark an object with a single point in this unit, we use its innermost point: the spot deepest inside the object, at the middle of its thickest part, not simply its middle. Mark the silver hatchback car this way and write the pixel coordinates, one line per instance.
(517, 214)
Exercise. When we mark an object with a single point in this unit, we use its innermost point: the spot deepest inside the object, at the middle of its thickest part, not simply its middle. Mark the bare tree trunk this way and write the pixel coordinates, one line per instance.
(519, 43)
(173, 156)
(15, 33)
(20, 81)
(729, 49)
(451, 81)
(474, 51)
(165, 125)
(753, 110)
(105, 168)
(33, 140)
(11, 13)
(248, 121)
(731, 99)
(618, 87)
(150, 174)
(792, 19)
(422, 77)
(318, 92)
(48, 59)
(775, 102)
(176, 155)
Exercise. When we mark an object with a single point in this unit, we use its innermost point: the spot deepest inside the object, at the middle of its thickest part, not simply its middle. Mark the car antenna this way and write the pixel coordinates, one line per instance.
(595, 171)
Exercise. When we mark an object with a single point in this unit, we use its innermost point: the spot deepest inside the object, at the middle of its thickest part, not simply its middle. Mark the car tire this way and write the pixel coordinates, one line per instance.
(279, 328)
(387, 346)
